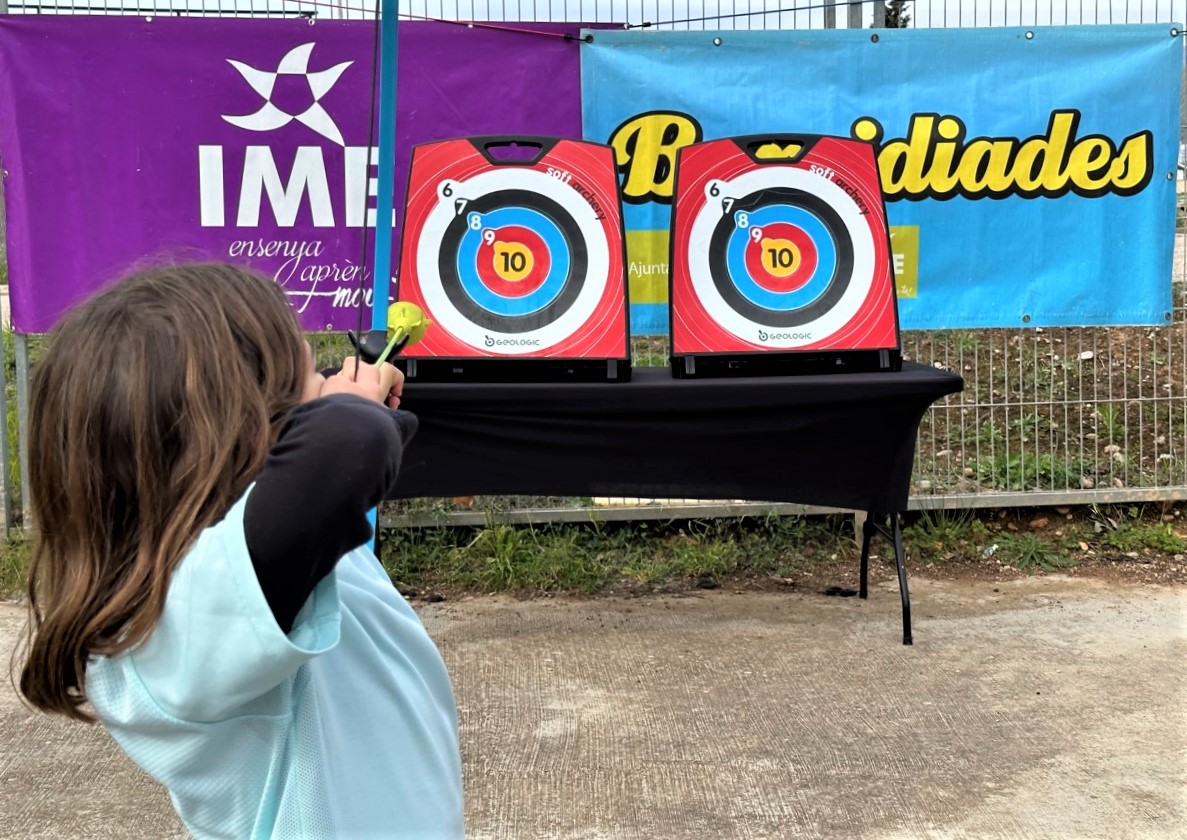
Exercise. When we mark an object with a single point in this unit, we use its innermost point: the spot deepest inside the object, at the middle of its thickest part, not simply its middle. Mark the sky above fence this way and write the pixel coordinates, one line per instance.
(678, 14)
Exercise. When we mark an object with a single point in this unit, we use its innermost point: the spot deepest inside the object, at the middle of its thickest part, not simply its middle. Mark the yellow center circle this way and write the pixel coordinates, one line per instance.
(513, 261)
(780, 257)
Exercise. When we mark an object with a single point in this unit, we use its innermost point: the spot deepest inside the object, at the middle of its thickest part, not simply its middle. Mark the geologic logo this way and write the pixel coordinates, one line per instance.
(763, 335)
(512, 342)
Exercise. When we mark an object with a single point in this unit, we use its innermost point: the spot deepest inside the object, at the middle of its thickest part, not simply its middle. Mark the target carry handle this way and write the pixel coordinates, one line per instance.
(777, 148)
(514, 150)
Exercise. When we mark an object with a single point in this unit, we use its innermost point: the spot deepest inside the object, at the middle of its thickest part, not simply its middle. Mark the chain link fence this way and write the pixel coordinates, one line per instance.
(1048, 416)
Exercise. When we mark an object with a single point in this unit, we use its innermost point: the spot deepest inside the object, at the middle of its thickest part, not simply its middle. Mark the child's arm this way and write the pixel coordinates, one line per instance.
(335, 460)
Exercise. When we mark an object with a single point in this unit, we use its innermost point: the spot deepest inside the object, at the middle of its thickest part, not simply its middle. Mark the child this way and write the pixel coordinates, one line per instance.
(200, 574)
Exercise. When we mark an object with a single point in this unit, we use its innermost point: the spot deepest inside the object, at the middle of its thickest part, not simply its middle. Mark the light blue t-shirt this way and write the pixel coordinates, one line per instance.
(346, 728)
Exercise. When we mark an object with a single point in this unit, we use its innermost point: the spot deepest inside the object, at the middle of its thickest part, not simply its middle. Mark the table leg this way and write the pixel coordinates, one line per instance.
(900, 557)
(868, 528)
(893, 533)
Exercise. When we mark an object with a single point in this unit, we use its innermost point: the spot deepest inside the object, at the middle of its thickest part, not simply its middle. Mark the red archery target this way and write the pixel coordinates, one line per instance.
(780, 254)
(520, 259)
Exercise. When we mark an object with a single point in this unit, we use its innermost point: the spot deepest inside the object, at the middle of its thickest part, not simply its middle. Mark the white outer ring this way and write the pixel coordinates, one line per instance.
(428, 249)
(739, 325)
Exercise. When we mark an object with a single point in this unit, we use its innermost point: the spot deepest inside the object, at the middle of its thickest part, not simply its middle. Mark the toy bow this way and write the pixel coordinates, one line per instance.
(402, 323)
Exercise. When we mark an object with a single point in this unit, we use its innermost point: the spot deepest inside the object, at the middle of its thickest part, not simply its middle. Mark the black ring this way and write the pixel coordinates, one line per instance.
(452, 285)
(837, 284)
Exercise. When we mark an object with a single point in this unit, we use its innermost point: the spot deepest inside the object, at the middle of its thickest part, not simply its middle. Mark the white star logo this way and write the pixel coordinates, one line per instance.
(270, 117)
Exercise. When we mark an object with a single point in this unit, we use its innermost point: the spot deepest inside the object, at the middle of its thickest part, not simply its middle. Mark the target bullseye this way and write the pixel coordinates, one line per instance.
(513, 245)
(512, 261)
(504, 266)
(782, 252)
(480, 269)
(780, 257)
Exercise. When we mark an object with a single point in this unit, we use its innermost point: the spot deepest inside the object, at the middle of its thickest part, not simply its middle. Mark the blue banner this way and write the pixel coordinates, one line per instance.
(1029, 174)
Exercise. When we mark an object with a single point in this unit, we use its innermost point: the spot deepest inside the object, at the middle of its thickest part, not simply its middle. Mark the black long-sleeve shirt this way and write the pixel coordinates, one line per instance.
(336, 458)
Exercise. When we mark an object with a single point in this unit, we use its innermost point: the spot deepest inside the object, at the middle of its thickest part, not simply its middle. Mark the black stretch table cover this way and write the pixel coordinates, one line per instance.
(843, 441)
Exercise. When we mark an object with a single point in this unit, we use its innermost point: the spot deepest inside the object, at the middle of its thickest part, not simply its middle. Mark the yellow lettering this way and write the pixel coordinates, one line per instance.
(1089, 164)
(943, 171)
(984, 166)
(1131, 169)
(867, 130)
(935, 161)
(645, 149)
(1039, 166)
(901, 162)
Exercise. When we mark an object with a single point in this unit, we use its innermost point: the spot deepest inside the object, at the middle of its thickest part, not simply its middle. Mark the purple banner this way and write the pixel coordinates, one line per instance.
(125, 140)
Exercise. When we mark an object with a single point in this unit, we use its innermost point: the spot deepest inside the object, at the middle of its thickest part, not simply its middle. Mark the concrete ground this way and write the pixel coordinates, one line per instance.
(1050, 707)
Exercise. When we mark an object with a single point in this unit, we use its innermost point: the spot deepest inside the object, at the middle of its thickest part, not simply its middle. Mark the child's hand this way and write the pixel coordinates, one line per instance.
(382, 384)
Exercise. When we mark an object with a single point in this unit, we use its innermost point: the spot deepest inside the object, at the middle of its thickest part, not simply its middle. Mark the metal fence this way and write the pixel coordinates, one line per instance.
(1048, 416)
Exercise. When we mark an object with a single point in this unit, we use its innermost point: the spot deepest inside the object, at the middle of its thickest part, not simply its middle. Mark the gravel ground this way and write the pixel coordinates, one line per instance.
(1039, 707)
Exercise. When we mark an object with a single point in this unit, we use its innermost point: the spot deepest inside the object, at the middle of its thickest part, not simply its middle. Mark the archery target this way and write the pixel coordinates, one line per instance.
(511, 261)
(783, 251)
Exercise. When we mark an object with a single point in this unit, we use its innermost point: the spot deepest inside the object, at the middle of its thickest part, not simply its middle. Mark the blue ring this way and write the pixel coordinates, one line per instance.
(484, 296)
(826, 257)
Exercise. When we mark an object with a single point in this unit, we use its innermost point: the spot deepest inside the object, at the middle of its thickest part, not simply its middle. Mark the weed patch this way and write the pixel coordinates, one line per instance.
(1028, 552)
(14, 464)
(14, 560)
(946, 533)
(1028, 471)
(1138, 536)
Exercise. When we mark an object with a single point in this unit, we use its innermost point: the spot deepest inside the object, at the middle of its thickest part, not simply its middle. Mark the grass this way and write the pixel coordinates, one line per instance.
(967, 342)
(944, 533)
(598, 557)
(974, 537)
(1027, 471)
(14, 465)
(1029, 552)
(609, 557)
(14, 557)
(1127, 529)
(1112, 422)
(1137, 536)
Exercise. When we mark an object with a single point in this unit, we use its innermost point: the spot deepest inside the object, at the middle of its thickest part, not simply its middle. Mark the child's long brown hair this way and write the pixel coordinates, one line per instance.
(151, 412)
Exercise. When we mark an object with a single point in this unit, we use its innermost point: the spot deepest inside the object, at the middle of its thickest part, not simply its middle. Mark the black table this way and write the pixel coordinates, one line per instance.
(845, 441)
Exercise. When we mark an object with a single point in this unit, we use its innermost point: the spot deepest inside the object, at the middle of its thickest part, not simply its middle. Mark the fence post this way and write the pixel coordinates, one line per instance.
(854, 14)
(879, 15)
(21, 342)
(6, 485)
